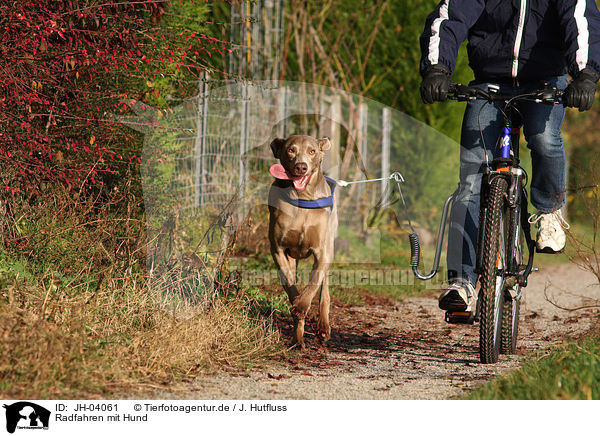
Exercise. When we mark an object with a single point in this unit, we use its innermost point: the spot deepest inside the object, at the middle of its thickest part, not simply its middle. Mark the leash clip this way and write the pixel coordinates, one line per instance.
(397, 177)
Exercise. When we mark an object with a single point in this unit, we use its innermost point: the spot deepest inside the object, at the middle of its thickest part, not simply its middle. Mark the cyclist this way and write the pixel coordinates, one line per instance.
(515, 44)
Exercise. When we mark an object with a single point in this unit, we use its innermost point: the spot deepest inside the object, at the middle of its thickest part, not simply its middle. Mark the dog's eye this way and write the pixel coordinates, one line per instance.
(291, 151)
(313, 151)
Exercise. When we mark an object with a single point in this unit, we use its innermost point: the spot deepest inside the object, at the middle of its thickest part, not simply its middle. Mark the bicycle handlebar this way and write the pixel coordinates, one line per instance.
(547, 94)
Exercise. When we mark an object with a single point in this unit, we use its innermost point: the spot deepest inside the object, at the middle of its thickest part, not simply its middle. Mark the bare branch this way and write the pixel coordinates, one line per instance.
(568, 309)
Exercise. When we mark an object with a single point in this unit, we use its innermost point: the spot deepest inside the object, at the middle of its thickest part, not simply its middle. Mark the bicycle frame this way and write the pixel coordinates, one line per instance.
(508, 167)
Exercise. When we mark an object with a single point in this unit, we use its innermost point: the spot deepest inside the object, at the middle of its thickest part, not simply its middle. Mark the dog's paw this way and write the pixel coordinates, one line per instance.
(324, 334)
(298, 343)
(299, 346)
(299, 309)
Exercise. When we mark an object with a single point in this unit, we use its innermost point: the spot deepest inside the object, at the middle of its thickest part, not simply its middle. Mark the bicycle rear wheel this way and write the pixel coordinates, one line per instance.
(491, 292)
(512, 297)
(510, 324)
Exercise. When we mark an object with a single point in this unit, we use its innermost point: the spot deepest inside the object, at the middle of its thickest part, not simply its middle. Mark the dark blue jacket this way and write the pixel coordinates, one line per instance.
(514, 39)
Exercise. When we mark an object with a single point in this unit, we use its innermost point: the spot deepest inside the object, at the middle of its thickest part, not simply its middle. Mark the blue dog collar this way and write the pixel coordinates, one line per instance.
(315, 204)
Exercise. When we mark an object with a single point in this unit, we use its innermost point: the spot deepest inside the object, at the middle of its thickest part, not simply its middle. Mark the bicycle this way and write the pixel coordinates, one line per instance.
(503, 228)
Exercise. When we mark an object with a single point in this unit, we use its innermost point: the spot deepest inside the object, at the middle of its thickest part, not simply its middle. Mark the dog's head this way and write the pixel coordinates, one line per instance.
(300, 155)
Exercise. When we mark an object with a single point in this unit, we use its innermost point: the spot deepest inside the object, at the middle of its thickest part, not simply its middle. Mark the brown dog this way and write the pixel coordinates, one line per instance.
(303, 223)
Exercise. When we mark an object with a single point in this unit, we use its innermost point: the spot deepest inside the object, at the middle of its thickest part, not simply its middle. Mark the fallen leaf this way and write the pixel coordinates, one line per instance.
(277, 377)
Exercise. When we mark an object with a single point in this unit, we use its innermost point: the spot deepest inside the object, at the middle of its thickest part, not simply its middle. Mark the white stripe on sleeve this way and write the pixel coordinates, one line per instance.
(583, 35)
(434, 41)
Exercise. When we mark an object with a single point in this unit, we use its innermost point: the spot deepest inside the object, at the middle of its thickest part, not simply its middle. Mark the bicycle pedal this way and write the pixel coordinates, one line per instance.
(460, 317)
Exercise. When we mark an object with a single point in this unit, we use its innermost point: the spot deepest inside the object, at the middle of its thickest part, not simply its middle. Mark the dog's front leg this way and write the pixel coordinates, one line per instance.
(302, 303)
(287, 274)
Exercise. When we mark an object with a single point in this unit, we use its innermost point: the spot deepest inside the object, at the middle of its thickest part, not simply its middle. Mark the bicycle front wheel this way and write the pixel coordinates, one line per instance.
(491, 292)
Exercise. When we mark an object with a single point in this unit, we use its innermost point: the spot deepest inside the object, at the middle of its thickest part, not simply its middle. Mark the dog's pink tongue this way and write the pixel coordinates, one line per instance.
(279, 172)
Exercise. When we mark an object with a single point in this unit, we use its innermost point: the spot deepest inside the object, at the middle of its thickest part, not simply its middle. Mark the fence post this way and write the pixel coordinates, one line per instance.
(385, 153)
(330, 127)
(336, 137)
(282, 110)
(363, 124)
(200, 144)
(243, 137)
(256, 42)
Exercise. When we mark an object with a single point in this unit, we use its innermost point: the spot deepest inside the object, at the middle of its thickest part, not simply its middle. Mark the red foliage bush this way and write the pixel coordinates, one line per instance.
(66, 68)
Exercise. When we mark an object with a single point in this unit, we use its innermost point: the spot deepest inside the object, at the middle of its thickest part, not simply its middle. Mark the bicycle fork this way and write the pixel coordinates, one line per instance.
(517, 201)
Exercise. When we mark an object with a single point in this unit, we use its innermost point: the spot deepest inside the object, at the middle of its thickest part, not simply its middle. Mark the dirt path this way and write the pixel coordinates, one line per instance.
(405, 350)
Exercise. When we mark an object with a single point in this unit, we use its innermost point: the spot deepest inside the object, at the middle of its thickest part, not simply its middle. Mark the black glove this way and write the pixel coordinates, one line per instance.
(434, 86)
(580, 92)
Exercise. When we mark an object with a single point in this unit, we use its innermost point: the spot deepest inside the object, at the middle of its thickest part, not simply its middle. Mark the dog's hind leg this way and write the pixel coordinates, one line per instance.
(299, 331)
(324, 327)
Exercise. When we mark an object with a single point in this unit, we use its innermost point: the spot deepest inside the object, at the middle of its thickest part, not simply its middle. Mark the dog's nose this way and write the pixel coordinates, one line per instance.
(300, 168)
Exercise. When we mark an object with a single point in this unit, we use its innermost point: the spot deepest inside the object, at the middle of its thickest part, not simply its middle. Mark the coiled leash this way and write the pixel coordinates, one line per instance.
(415, 247)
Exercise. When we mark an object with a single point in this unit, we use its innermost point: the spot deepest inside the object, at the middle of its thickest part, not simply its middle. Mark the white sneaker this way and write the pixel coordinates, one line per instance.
(459, 296)
(551, 237)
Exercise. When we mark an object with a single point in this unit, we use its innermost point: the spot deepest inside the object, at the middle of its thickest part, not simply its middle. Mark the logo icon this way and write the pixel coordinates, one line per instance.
(26, 415)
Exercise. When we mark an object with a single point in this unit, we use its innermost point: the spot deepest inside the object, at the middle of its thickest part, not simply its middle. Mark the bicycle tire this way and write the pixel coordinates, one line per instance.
(510, 325)
(492, 285)
(512, 304)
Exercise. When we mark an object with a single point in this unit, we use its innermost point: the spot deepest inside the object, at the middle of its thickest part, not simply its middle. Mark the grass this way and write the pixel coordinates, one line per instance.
(262, 303)
(79, 319)
(571, 372)
(95, 343)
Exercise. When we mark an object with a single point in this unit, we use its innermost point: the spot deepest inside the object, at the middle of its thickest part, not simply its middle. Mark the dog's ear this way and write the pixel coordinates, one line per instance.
(324, 143)
(277, 146)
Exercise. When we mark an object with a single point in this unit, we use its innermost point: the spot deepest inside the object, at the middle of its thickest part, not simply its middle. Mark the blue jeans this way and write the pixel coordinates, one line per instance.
(541, 127)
